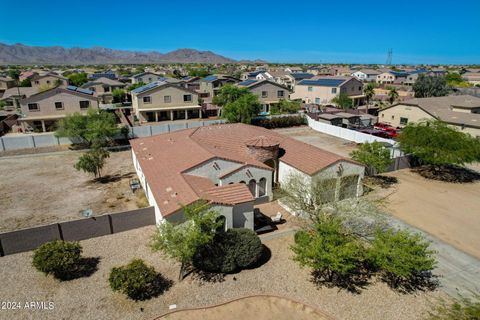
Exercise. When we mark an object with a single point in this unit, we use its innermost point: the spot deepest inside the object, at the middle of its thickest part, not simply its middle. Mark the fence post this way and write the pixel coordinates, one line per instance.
(168, 127)
(110, 223)
(150, 128)
(3, 145)
(2, 253)
(60, 232)
(33, 141)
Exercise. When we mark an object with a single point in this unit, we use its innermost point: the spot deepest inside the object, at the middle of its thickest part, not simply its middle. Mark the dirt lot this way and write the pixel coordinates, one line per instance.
(324, 141)
(92, 298)
(448, 211)
(41, 189)
(260, 307)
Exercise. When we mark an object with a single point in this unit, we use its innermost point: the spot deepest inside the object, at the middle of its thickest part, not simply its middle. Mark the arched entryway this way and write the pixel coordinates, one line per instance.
(252, 185)
(262, 187)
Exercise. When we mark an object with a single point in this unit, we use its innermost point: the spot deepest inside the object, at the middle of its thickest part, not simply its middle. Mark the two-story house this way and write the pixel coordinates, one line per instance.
(48, 80)
(6, 83)
(104, 87)
(268, 92)
(211, 85)
(366, 75)
(322, 90)
(160, 100)
(42, 110)
(147, 77)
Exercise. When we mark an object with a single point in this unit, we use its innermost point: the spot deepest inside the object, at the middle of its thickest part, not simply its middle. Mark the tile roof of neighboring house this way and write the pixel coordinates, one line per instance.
(369, 71)
(250, 83)
(441, 108)
(166, 158)
(472, 76)
(159, 84)
(301, 75)
(103, 80)
(325, 81)
(24, 91)
(56, 90)
(48, 74)
(214, 77)
(144, 73)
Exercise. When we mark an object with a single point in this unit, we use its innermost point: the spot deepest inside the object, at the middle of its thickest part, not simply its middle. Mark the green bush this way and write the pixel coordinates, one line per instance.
(462, 308)
(401, 256)
(229, 251)
(280, 122)
(138, 281)
(57, 257)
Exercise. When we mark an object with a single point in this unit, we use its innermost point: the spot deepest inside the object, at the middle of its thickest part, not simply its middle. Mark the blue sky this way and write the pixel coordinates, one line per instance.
(422, 31)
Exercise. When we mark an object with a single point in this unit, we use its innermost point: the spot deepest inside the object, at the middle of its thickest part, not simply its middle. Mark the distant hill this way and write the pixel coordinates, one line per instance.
(22, 54)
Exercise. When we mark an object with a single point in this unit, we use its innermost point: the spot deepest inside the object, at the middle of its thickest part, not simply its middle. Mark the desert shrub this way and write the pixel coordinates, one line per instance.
(280, 122)
(462, 308)
(229, 251)
(57, 257)
(401, 257)
(138, 281)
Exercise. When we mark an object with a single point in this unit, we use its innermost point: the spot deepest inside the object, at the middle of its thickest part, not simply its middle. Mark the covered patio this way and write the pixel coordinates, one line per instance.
(171, 114)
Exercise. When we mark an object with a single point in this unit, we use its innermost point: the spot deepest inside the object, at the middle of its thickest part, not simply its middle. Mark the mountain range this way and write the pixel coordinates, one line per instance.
(23, 54)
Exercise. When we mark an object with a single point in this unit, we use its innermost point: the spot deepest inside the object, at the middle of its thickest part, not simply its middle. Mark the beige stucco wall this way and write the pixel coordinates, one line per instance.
(325, 94)
(71, 103)
(392, 115)
(385, 78)
(157, 99)
(146, 78)
(48, 81)
(272, 93)
(4, 85)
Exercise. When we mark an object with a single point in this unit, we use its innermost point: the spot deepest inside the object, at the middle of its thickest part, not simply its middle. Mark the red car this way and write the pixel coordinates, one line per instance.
(381, 126)
(390, 131)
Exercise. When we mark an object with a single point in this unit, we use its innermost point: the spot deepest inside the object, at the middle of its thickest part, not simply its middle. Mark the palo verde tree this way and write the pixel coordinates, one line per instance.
(374, 155)
(181, 241)
(93, 161)
(343, 101)
(329, 250)
(401, 256)
(242, 109)
(430, 86)
(77, 79)
(97, 128)
(437, 144)
(229, 93)
(118, 95)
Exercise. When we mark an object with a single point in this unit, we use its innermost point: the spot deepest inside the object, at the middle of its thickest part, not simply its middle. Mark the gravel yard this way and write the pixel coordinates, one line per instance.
(91, 298)
(46, 188)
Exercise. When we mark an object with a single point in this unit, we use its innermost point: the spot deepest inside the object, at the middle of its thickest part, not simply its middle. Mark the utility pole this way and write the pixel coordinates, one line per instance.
(389, 56)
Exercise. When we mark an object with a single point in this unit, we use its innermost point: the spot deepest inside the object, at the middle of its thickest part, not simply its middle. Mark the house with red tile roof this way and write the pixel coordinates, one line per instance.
(233, 166)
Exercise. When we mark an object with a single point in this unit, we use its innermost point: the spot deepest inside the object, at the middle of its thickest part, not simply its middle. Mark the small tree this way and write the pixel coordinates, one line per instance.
(118, 95)
(96, 128)
(343, 101)
(57, 257)
(369, 92)
(285, 106)
(374, 155)
(437, 144)
(392, 95)
(401, 256)
(229, 93)
(78, 79)
(93, 161)
(430, 86)
(181, 241)
(243, 109)
(135, 86)
(328, 250)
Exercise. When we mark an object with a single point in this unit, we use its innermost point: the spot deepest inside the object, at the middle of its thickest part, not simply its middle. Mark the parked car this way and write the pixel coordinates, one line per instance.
(381, 126)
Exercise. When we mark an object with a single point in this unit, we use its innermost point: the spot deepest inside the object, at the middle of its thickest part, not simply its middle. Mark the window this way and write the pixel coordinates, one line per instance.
(84, 104)
(264, 94)
(403, 120)
(59, 105)
(393, 117)
(37, 82)
(383, 115)
(106, 89)
(262, 187)
(149, 79)
(317, 100)
(280, 94)
(334, 90)
(147, 100)
(167, 99)
(310, 89)
(48, 81)
(359, 88)
(33, 107)
(187, 97)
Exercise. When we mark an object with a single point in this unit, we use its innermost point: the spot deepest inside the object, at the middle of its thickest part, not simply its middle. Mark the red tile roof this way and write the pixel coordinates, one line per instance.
(165, 157)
